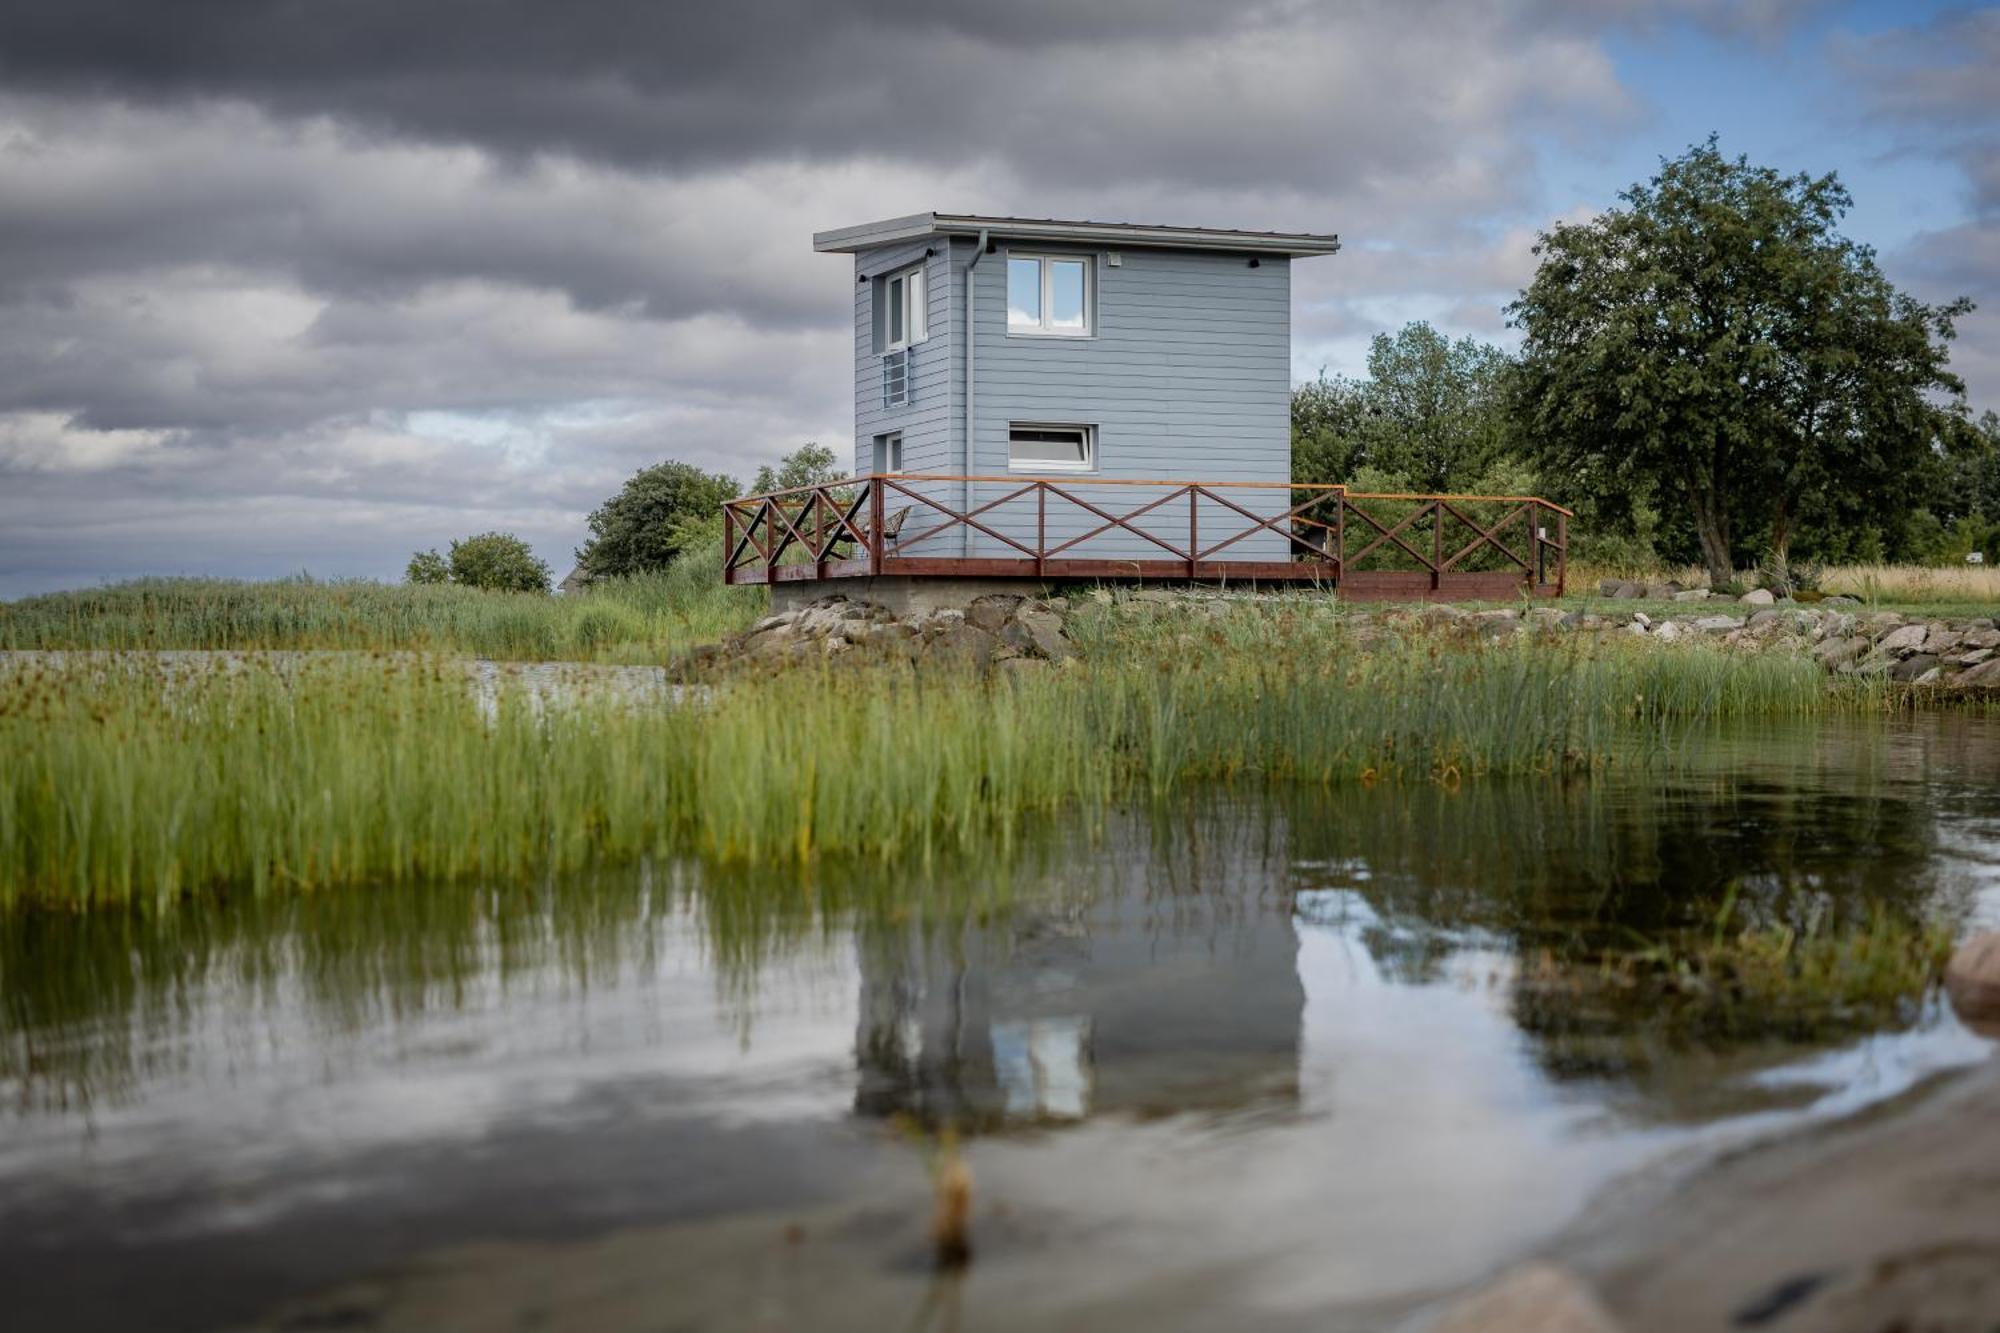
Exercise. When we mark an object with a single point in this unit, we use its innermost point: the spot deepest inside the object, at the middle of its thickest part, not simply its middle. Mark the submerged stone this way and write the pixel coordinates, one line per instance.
(1972, 980)
(1534, 1298)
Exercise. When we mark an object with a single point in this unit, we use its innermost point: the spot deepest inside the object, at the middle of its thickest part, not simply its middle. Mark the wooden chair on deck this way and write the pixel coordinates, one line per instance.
(1312, 537)
(892, 531)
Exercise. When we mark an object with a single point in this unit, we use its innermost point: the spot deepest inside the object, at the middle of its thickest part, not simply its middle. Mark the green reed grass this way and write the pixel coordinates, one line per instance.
(146, 779)
(643, 618)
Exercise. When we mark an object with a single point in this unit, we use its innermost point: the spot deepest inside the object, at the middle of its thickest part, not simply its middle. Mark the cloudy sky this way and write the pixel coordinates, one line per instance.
(287, 286)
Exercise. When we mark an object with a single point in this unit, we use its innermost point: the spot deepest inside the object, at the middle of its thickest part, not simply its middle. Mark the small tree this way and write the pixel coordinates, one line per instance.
(497, 562)
(808, 465)
(641, 527)
(1717, 347)
(427, 567)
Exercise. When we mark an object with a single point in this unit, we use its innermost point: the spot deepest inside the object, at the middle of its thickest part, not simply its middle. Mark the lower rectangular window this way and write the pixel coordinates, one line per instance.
(1042, 447)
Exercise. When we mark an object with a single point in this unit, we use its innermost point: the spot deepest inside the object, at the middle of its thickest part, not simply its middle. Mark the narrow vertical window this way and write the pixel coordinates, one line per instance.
(888, 453)
(905, 320)
(1066, 278)
(1024, 293)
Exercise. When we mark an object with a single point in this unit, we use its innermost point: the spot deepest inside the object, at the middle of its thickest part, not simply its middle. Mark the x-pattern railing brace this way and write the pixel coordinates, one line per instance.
(1116, 521)
(1484, 536)
(969, 518)
(1388, 535)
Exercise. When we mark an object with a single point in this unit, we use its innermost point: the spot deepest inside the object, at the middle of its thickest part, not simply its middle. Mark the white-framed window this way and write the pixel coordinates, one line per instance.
(888, 452)
(1042, 446)
(905, 314)
(1051, 295)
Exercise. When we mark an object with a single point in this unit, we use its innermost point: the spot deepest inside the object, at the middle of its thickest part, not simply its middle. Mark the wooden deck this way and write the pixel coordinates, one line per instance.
(1359, 545)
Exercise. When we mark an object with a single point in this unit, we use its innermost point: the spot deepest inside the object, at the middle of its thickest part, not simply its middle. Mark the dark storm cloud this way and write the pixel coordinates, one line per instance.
(1936, 81)
(290, 283)
(1172, 90)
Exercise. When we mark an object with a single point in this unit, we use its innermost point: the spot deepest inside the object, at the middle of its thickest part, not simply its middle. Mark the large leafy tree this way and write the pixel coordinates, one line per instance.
(646, 524)
(1716, 345)
(1437, 415)
(1329, 430)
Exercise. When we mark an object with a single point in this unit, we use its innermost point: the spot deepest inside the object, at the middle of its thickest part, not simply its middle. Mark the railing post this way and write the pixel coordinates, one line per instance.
(1562, 552)
(1539, 534)
(1340, 539)
(1194, 542)
(728, 541)
(1041, 528)
(1437, 546)
(875, 524)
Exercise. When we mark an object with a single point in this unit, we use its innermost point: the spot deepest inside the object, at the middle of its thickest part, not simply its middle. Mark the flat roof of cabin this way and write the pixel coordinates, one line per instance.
(847, 240)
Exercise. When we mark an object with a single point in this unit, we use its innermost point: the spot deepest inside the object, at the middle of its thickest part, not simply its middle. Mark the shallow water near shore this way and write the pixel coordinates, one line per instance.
(1243, 1060)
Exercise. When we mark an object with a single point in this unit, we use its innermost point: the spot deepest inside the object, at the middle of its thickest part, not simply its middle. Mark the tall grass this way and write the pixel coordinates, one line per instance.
(127, 781)
(1959, 587)
(642, 618)
(1915, 583)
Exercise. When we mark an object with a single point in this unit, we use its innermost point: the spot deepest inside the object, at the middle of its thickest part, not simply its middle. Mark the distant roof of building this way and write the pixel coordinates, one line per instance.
(847, 240)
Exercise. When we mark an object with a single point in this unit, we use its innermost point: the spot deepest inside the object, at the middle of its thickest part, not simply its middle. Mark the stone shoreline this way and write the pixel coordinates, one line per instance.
(1015, 634)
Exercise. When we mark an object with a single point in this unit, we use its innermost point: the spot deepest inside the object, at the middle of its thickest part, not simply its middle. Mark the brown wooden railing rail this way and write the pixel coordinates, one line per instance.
(1365, 544)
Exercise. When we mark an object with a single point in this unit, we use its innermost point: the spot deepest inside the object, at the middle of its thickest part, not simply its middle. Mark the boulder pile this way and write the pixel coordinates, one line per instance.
(1009, 632)
(1028, 634)
(1838, 633)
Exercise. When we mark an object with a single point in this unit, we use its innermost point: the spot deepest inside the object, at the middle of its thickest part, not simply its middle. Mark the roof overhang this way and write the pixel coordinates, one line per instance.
(917, 226)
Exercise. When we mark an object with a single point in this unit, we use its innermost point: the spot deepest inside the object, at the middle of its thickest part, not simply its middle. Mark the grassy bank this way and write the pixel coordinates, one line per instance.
(132, 781)
(645, 618)
(1917, 590)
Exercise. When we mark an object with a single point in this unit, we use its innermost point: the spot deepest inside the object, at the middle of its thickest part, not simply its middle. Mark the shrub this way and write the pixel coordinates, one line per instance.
(637, 529)
(427, 567)
(497, 562)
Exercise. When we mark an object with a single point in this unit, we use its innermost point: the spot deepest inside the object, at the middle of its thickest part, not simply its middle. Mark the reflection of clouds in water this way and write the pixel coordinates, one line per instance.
(1043, 1065)
(258, 1075)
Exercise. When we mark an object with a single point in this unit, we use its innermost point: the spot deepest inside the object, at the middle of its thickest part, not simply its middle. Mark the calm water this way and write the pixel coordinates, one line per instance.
(1243, 1062)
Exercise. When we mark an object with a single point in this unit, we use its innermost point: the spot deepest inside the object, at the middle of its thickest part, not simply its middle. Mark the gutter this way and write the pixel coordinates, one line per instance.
(965, 451)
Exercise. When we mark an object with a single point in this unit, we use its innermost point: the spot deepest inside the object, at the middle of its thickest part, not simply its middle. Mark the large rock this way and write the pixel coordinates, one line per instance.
(992, 613)
(1534, 1298)
(1982, 638)
(1941, 639)
(1913, 667)
(1972, 980)
(1692, 595)
(1758, 597)
(1717, 624)
(1663, 592)
(1045, 630)
(1835, 652)
(1667, 632)
(1985, 676)
(1902, 641)
(963, 642)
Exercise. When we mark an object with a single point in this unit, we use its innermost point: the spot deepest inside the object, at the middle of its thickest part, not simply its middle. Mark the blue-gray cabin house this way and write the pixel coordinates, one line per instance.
(990, 348)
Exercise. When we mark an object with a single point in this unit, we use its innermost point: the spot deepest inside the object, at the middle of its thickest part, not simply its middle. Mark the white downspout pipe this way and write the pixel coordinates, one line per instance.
(965, 449)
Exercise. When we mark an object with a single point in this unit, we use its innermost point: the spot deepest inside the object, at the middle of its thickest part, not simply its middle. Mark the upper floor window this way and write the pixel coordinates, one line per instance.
(1049, 294)
(906, 316)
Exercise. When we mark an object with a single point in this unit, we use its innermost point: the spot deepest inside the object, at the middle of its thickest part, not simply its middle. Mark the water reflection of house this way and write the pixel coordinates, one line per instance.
(1141, 1006)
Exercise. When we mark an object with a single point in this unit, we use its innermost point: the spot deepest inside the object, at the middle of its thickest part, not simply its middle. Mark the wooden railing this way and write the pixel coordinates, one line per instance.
(1365, 544)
